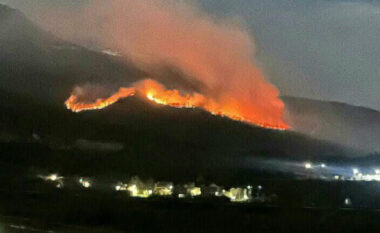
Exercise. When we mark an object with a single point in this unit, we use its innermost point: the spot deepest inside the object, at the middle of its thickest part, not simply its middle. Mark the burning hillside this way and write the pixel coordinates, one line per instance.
(157, 93)
(75, 105)
(217, 54)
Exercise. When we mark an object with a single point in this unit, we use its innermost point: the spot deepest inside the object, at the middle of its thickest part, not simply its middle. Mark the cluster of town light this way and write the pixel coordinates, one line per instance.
(138, 188)
(145, 189)
(59, 180)
(355, 174)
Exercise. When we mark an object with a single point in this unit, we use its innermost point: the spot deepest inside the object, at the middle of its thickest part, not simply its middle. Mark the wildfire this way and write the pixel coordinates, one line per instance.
(157, 93)
(75, 105)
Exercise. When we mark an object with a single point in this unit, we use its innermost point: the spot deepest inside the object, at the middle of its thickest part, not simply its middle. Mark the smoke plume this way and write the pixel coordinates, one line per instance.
(216, 53)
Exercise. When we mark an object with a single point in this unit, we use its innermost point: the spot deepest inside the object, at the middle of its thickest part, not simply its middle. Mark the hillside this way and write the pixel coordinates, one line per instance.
(341, 123)
(135, 137)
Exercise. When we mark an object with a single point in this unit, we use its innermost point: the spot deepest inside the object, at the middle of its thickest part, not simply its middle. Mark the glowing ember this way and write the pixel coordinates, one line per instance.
(157, 93)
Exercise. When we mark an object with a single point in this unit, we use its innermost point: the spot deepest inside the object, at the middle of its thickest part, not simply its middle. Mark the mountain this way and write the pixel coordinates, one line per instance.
(38, 72)
(156, 141)
(341, 123)
(36, 63)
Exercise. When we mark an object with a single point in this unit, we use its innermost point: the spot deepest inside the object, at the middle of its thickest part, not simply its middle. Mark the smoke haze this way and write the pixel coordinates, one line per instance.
(216, 53)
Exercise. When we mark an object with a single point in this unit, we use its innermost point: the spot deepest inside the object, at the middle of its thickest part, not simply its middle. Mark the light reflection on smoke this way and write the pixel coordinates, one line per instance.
(316, 170)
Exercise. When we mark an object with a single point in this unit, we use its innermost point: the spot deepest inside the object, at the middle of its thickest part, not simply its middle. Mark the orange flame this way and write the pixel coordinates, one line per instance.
(75, 105)
(157, 93)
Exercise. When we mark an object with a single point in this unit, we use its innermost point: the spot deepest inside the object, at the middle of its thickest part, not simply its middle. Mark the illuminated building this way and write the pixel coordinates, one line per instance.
(193, 190)
(139, 192)
(121, 187)
(238, 195)
(163, 189)
(215, 190)
(138, 188)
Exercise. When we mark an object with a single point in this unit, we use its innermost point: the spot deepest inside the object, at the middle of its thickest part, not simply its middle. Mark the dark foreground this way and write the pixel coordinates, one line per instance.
(63, 211)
